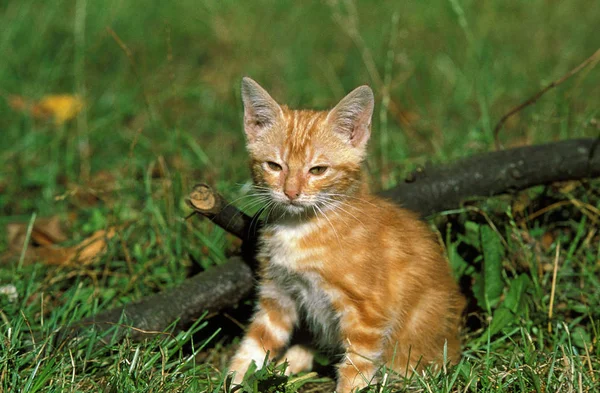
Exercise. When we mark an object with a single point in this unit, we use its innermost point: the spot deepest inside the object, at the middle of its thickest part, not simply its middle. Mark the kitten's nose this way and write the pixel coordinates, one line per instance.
(292, 193)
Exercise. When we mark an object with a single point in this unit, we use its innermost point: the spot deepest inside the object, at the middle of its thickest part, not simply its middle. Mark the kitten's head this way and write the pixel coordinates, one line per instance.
(306, 160)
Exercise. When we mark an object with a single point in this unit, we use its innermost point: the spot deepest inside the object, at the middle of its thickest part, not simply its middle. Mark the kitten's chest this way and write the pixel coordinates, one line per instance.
(286, 246)
(313, 302)
(295, 271)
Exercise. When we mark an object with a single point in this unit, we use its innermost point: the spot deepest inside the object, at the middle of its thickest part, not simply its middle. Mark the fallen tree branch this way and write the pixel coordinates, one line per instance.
(212, 290)
(426, 191)
(435, 189)
(432, 190)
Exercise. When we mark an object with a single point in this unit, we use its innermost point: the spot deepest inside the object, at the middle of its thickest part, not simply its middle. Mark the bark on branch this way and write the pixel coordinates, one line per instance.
(213, 290)
(426, 191)
(213, 206)
(436, 189)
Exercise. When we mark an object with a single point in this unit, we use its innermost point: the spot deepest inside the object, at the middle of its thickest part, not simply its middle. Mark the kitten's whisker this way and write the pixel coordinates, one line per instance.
(262, 188)
(340, 216)
(250, 206)
(269, 209)
(330, 224)
(254, 203)
(336, 204)
(338, 200)
(283, 214)
(334, 209)
(246, 207)
(261, 198)
(256, 218)
(350, 196)
(244, 197)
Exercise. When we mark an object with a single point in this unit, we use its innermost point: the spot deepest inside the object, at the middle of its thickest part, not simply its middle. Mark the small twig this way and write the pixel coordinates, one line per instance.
(27, 238)
(383, 382)
(132, 146)
(204, 200)
(131, 59)
(542, 211)
(385, 99)
(302, 378)
(235, 321)
(552, 291)
(349, 24)
(537, 96)
(589, 361)
(79, 63)
(121, 44)
(73, 366)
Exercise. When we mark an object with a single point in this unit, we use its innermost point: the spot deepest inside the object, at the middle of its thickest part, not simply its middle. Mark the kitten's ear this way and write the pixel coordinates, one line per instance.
(352, 116)
(260, 110)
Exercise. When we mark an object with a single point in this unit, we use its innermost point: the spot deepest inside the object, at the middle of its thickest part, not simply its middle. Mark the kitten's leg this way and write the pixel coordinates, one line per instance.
(299, 357)
(363, 351)
(269, 331)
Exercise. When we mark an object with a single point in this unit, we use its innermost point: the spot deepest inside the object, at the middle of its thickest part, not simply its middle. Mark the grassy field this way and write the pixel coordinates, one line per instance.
(159, 83)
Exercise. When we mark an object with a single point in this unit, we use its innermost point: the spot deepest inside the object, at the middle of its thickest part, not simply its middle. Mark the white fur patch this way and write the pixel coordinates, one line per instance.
(311, 301)
(281, 248)
(270, 290)
(251, 350)
(280, 334)
(299, 359)
(293, 275)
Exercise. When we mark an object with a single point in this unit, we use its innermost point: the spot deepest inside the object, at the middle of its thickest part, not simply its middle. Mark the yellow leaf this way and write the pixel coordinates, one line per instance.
(61, 107)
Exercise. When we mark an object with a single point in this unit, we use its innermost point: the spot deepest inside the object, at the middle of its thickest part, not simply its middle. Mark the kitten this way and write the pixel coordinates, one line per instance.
(364, 275)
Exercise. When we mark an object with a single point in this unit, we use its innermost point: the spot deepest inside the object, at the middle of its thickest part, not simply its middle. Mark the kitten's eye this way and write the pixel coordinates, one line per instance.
(274, 166)
(318, 170)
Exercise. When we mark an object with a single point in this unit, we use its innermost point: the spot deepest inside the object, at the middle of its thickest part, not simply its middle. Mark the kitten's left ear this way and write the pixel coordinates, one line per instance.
(261, 111)
(351, 117)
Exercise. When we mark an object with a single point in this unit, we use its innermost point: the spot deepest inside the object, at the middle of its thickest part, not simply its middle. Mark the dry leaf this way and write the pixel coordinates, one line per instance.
(405, 118)
(521, 204)
(568, 186)
(94, 246)
(84, 253)
(519, 141)
(99, 188)
(18, 104)
(45, 235)
(547, 240)
(61, 108)
(45, 232)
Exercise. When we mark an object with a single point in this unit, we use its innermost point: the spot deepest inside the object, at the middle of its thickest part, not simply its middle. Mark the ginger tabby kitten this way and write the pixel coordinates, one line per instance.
(365, 276)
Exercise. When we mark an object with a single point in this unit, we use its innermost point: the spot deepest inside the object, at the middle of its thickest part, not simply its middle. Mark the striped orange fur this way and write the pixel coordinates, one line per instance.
(367, 277)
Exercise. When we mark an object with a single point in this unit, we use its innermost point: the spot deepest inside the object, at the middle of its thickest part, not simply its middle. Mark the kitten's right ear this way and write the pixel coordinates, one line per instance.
(351, 117)
(260, 110)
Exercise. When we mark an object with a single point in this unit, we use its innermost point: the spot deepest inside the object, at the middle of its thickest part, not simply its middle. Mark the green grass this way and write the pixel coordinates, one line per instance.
(163, 112)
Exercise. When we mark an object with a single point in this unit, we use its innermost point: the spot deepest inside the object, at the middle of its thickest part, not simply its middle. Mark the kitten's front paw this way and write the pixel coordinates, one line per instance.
(299, 358)
(237, 370)
(349, 388)
(236, 377)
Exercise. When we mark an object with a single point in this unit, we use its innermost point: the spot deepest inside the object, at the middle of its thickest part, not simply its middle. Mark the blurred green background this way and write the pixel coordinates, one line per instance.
(450, 68)
(159, 82)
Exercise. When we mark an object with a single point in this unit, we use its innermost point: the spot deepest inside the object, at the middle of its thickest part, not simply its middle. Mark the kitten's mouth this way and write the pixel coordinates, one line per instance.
(294, 207)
